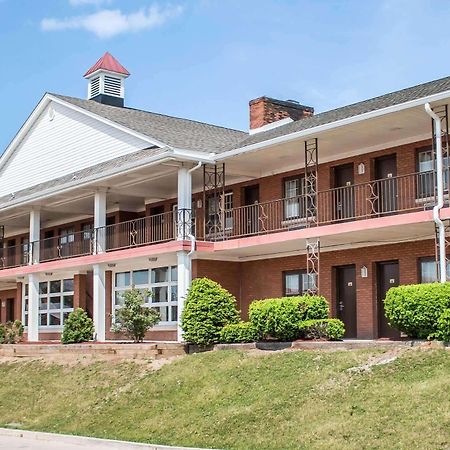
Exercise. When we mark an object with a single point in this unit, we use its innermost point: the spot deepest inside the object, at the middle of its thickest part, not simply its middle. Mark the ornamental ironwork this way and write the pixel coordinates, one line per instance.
(311, 165)
(312, 265)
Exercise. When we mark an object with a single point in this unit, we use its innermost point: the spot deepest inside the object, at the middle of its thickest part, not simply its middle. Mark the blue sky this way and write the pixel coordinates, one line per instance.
(205, 59)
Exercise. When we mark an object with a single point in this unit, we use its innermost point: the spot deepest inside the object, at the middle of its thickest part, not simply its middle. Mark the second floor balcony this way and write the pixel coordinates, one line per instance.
(378, 198)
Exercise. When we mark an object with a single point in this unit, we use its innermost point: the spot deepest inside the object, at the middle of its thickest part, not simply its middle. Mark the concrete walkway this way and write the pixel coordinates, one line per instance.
(30, 440)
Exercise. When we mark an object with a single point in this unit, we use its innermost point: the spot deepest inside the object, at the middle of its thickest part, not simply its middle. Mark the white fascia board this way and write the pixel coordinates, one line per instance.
(151, 161)
(329, 126)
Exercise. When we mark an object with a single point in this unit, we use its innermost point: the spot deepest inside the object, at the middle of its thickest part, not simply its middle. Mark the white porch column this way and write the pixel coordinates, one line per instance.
(35, 232)
(184, 282)
(99, 299)
(33, 307)
(184, 203)
(100, 221)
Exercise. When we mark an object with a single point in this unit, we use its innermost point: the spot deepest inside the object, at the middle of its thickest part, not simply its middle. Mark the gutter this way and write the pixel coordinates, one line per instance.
(191, 236)
(440, 194)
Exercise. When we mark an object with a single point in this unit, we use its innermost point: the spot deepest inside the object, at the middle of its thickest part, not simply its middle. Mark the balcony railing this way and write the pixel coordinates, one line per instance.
(14, 256)
(377, 198)
(137, 232)
(65, 246)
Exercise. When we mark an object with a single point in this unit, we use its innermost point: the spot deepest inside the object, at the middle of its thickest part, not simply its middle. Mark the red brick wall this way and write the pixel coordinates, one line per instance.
(264, 278)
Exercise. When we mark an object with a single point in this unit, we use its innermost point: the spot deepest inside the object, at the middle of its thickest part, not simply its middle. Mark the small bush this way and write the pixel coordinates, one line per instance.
(11, 332)
(331, 329)
(280, 318)
(443, 327)
(238, 332)
(208, 308)
(134, 319)
(415, 309)
(78, 327)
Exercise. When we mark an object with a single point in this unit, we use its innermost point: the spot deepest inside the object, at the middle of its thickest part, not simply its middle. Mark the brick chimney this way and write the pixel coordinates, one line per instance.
(265, 110)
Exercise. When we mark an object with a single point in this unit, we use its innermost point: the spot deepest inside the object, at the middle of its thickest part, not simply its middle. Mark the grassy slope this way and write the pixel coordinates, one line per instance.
(233, 400)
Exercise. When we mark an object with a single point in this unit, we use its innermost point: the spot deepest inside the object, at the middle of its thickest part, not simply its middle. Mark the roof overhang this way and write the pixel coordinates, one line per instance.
(318, 130)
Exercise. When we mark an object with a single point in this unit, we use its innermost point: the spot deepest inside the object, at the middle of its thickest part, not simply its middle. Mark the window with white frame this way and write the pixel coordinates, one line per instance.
(293, 194)
(55, 302)
(426, 165)
(297, 282)
(161, 282)
(428, 270)
(214, 209)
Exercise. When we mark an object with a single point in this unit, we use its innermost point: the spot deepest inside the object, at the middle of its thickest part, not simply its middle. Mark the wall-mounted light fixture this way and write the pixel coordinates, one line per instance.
(364, 272)
(152, 259)
(48, 274)
(199, 204)
(361, 168)
(111, 265)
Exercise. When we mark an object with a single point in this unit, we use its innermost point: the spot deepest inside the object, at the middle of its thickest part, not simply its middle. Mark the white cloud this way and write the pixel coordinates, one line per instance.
(107, 23)
(88, 2)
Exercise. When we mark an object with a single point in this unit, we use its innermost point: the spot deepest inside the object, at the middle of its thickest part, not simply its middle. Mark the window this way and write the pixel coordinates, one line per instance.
(67, 236)
(297, 282)
(428, 270)
(294, 190)
(426, 166)
(55, 302)
(161, 281)
(214, 205)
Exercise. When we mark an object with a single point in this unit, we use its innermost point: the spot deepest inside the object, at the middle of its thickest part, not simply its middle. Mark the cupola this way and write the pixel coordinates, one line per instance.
(106, 81)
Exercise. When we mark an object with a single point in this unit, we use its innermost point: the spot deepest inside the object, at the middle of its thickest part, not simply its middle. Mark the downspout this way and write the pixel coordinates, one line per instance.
(440, 194)
(191, 236)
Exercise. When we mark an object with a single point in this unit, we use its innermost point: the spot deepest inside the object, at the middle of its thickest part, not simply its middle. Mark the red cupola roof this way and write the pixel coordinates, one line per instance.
(108, 62)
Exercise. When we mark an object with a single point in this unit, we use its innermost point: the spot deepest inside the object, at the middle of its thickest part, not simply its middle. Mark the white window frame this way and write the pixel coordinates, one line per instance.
(41, 311)
(150, 286)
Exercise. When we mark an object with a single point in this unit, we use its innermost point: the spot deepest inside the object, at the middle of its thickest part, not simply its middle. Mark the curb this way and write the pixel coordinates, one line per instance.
(92, 442)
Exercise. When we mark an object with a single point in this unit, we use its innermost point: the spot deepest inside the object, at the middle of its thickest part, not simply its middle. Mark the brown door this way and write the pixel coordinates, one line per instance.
(344, 192)
(251, 214)
(386, 186)
(387, 276)
(346, 298)
(9, 310)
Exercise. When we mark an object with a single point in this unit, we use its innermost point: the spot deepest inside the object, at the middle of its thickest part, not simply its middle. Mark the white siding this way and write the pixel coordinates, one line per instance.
(70, 142)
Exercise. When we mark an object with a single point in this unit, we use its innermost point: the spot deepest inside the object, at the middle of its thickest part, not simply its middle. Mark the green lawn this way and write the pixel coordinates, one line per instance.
(234, 400)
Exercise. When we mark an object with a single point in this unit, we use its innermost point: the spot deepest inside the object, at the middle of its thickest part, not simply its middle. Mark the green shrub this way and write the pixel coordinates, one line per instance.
(416, 309)
(208, 308)
(11, 332)
(331, 329)
(443, 327)
(280, 318)
(238, 332)
(134, 319)
(78, 327)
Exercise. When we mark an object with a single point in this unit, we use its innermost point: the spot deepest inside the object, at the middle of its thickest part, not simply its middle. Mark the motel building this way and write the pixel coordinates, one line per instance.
(97, 197)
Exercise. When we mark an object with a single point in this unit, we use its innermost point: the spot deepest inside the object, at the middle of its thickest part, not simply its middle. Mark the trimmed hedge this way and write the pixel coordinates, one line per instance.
(331, 329)
(78, 327)
(238, 332)
(280, 318)
(208, 308)
(415, 309)
(443, 327)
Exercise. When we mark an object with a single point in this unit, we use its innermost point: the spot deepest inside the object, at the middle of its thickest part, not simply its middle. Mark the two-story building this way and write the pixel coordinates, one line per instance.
(97, 197)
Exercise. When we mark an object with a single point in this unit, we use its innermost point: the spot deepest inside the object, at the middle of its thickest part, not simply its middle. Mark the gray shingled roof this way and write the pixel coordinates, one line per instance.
(89, 173)
(373, 104)
(172, 131)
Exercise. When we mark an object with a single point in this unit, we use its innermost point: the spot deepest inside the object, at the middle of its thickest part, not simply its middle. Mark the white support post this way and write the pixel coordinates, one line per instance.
(184, 203)
(35, 232)
(184, 282)
(99, 300)
(100, 221)
(33, 308)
